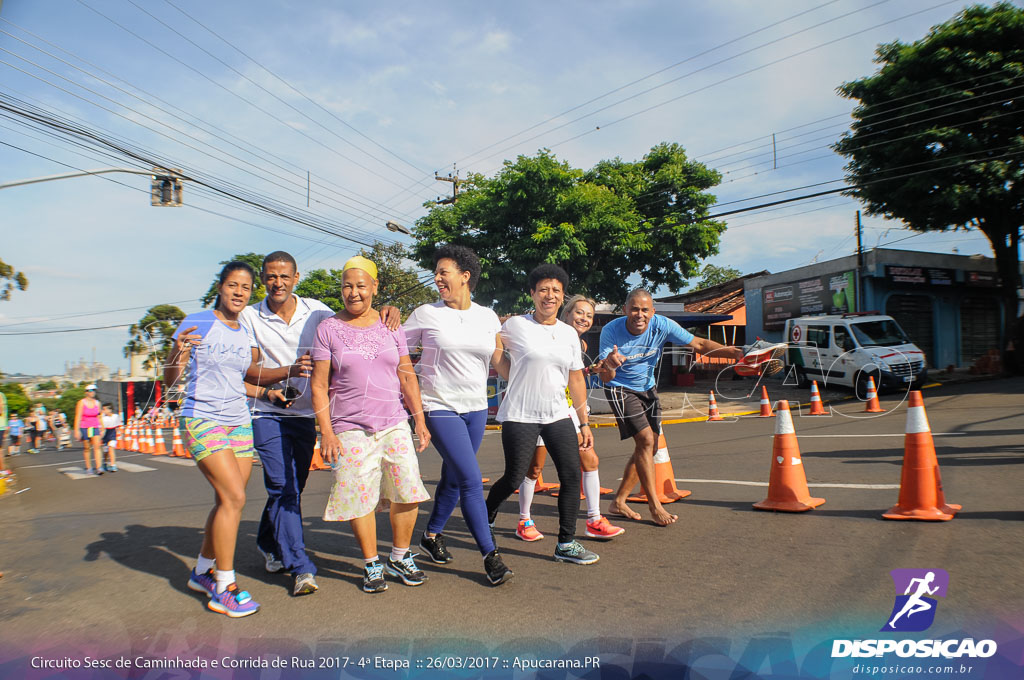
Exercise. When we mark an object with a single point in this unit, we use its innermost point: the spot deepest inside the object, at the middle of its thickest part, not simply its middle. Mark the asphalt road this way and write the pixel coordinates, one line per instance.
(100, 565)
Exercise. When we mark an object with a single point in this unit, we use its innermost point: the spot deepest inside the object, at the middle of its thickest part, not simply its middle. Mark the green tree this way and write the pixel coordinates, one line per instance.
(254, 260)
(17, 400)
(712, 275)
(152, 333)
(938, 135)
(9, 280)
(47, 385)
(399, 285)
(67, 401)
(604, 225)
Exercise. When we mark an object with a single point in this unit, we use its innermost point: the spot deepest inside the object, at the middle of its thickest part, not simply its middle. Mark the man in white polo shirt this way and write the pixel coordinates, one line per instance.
(284, 433)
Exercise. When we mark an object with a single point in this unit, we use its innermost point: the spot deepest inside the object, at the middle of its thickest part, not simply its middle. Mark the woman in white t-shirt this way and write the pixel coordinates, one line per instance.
(578, 313)
(543, 359)
(459, 339)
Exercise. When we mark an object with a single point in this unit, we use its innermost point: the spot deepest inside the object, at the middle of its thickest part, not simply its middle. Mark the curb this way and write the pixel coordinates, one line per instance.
(702, 419)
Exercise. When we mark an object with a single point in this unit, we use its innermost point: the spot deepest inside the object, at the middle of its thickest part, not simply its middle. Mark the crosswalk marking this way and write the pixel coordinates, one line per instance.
(132, 467)
(176, 461)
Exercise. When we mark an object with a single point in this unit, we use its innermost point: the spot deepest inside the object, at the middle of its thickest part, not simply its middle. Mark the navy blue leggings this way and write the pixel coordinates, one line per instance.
(457, 437)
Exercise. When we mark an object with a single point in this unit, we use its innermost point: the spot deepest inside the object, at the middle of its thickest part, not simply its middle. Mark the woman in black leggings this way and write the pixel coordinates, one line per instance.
(542, 362)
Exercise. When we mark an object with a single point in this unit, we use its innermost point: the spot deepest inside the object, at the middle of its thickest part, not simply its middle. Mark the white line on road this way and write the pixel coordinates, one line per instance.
(740, 482)
(66, 462)
(176, 461)
(132, 467)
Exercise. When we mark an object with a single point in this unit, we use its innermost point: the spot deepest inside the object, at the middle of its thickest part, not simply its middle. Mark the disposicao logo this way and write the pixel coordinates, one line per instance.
(914, 611)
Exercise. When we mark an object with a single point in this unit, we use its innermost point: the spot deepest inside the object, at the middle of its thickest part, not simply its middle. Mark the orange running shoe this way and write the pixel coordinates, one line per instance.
(528, 531)
(602, 528)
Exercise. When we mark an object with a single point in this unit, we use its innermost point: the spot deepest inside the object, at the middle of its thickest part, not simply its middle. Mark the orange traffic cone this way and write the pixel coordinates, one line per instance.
(921, 495)
(147, 440)
(160, 448)
(664, 477)
(317, 463)
(872, 406)
(787, 484)
(712, 408)
(133, 439)
(766, 406)
(816, 408)
(177, 447)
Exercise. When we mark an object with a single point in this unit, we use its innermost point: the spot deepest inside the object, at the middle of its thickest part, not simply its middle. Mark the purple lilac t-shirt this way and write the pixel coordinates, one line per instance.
(363, 391)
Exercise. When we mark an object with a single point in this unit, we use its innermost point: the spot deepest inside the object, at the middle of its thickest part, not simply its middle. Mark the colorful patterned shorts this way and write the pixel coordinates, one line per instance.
(375, 469)
(203, 437)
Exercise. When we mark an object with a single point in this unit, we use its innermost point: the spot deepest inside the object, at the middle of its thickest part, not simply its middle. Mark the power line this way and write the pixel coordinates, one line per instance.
(296, 90)
(220, 133)
(234, 94)
(728, 79)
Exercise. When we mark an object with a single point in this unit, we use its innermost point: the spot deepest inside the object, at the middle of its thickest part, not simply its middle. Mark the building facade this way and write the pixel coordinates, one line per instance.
(949, 305)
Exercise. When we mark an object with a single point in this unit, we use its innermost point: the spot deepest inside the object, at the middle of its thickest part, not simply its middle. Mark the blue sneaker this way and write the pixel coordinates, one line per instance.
(373, 578)
(203, 583)
(233, 602)
(406, 570)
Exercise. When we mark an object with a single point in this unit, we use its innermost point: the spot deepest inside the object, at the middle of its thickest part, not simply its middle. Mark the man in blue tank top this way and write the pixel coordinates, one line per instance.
(630, 349)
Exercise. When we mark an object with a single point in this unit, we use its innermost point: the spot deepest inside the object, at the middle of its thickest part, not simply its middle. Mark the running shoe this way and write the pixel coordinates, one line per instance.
(305, 584)
(273, 564)
(373, 578)
(602, 528)
(497, 572)
(233, 602)
(435, 549)
(406, 570)
(111, 468)
(90, 471)
(575, 553)
(528, 531)
(203, 583)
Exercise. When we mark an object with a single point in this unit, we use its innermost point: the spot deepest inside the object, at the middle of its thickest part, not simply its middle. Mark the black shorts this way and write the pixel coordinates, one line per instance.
(634, 411)
(110, 435)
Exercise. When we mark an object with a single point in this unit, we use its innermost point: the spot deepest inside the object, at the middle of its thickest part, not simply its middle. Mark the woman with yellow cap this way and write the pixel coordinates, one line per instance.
(361, 376)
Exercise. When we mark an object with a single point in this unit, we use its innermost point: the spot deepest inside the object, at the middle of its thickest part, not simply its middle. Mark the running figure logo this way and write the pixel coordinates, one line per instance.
(914, 610)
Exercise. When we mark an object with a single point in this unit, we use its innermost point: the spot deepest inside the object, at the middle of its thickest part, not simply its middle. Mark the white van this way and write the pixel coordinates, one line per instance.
(844, 349)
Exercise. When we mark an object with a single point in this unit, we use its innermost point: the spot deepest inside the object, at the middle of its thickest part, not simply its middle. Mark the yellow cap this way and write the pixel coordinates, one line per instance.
(360, 262)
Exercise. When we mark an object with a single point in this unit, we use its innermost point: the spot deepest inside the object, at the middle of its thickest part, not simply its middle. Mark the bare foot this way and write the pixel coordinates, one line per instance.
(662, 517)
(622, 510)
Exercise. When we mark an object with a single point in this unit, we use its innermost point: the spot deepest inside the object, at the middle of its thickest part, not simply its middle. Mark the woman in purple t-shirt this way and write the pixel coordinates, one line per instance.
(361, 374)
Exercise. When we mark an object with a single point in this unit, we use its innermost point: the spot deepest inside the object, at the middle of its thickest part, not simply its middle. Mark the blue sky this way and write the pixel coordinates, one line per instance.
(391, 93)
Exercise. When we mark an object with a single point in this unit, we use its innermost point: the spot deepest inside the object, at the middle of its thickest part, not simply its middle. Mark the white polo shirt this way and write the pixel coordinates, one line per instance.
(281, 344)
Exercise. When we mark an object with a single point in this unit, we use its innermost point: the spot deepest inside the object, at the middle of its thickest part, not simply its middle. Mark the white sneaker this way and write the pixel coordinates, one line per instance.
(273, 565)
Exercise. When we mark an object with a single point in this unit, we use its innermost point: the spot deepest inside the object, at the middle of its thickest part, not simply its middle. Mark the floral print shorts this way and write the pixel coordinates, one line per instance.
(374, 470)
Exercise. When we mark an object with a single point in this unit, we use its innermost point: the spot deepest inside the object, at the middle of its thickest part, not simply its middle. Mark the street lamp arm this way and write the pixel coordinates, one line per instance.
(68, 175)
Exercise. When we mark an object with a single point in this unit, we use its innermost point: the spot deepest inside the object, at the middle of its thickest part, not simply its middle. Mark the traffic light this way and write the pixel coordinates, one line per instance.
(165, 188)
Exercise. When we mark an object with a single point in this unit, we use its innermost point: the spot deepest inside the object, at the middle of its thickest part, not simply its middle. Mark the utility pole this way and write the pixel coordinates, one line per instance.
(860, 267)
(452, 177)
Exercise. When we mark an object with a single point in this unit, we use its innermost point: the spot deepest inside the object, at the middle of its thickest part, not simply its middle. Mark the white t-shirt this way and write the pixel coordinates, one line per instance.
(111, 421)
(457, 348)
(542, 356)
(281, 344)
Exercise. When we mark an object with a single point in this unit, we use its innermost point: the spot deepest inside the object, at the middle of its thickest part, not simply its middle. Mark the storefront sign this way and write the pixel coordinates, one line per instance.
(829, 294)
(982, 279)
(932, 276)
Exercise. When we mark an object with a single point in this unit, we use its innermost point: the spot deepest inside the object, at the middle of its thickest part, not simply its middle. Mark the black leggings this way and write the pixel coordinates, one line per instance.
(519, 441)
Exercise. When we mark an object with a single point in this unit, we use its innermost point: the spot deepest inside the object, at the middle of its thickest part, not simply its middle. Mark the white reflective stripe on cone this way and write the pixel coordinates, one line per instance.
(784, 422)
(917, 420)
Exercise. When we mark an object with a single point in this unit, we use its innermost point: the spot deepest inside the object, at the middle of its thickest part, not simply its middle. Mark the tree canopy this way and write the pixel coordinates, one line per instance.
(938, 135)
(712, 275)
(17, 400)
(9, 280)
(152, 333)
(254, 260)
(647, 218)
